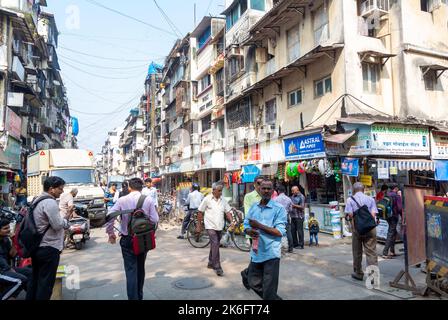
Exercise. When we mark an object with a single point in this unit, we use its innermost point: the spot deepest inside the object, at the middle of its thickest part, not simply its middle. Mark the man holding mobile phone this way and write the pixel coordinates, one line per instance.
(266, 223)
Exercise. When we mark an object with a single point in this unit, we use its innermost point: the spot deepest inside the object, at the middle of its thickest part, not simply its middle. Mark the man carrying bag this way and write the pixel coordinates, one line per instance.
(138, 220)
(362, 211)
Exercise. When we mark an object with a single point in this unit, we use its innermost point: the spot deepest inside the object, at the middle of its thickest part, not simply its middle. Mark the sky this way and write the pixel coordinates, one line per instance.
(104, 56)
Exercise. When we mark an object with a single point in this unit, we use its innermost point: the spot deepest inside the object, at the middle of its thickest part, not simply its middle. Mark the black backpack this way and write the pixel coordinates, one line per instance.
(141, 230)
(29, 237)
(364, 222)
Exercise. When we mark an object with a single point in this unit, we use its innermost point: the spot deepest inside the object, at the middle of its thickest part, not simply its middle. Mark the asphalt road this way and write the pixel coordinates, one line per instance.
(177, 271)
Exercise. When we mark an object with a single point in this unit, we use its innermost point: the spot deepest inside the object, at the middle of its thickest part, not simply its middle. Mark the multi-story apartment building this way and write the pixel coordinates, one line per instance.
(206, 45)
(111, 155)
(277, 75)
(33, 105)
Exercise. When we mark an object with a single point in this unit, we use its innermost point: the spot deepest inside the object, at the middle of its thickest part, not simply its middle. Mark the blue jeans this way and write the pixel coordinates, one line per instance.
(315, 237)
(134, 267)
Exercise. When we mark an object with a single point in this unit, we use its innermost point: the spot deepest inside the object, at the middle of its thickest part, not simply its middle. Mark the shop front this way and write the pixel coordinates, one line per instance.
(317, 174)
(439, 153)
(386, 153)
(242, 166)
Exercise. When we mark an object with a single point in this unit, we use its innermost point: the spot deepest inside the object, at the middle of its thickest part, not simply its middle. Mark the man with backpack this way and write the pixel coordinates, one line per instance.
(138, 222)
(394, 213)
(45, 253)
(356, 206)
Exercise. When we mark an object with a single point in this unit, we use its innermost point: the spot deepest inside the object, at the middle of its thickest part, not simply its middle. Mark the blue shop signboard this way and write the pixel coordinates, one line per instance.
(305, 147)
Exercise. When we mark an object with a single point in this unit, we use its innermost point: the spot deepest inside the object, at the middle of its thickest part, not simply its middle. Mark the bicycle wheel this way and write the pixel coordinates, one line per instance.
(198, 241)
(241, 241)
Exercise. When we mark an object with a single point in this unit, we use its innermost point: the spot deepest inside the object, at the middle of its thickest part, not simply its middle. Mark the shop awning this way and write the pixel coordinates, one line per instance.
(339, 138)
(250, 172)
(407, 164)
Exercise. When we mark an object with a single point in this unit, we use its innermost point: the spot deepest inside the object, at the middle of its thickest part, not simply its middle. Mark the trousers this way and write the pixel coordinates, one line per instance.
(297, 232)
(134, 267)
(263, 278)
(391, 235)
(45, 266)
(214, 258)
(366, 243)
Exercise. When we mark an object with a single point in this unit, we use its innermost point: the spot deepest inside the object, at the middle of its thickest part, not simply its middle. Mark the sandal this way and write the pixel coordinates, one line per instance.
(386, 257)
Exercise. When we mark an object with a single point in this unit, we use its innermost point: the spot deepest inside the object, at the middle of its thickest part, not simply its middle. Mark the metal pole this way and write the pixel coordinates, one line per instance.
(153, 117)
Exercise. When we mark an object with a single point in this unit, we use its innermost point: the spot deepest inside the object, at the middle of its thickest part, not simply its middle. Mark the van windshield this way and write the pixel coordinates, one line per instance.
(75, 176)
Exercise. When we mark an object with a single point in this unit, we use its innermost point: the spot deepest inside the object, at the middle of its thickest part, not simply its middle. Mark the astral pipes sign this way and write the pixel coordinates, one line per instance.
(305, 147)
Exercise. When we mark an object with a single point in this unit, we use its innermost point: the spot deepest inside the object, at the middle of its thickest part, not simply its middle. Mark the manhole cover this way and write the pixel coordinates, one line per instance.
(193, 283)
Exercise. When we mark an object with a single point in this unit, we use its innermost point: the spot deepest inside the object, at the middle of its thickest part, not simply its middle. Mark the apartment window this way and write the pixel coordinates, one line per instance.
(205, 82)
(271, 112)
(431, 80)
(238, 114)
(295, 98)
(371, 77)
(235, 13)
(257, 5)
(205, 36)
(206, 123)
(220, 82)
(293, 41)
(323, 86)
(431, 5)
(321, 33)
(236, 64)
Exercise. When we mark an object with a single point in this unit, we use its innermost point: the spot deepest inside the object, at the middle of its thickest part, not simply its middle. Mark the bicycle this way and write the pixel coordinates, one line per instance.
(201, 240)
(235, 229)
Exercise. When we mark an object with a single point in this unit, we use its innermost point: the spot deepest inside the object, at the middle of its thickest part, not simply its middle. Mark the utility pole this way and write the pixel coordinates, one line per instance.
(195, 15)
(153, 118)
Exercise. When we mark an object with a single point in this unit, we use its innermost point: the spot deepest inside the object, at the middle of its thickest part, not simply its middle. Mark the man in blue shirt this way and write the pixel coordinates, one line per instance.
(266, 222)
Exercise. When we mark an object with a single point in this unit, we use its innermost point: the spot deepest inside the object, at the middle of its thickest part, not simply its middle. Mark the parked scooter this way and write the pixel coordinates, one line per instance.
(79, 228)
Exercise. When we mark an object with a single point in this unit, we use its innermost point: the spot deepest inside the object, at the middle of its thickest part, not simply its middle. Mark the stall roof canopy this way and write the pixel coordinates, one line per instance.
(339, 138)
(407, 164)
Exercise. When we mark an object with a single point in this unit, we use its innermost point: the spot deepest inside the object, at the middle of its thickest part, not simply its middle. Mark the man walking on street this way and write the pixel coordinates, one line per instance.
(134, 265)
(150, 191)
(297, 218)
(193, 202)
(212, 212)
(360, 242)
(286, 202)
(267, 222)
(253, 197)
(51, 224)
(67, 205)
(397, 212)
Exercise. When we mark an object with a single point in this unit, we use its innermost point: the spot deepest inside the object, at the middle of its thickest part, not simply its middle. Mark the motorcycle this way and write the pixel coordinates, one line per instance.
(79, 227)
(167, 208)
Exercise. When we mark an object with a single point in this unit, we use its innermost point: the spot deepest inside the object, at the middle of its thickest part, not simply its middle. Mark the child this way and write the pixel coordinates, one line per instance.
(313, 227)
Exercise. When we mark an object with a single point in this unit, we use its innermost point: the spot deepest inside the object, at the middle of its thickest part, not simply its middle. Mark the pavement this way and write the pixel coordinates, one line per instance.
(177, 271)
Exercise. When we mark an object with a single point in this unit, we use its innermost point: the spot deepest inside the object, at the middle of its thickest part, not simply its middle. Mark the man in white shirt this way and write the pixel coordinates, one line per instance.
(193, 202)
(212, 212)
(150, 191)
(67, 204)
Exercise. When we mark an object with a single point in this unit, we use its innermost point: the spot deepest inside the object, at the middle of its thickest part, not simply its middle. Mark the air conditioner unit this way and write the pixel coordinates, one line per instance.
(235, 51)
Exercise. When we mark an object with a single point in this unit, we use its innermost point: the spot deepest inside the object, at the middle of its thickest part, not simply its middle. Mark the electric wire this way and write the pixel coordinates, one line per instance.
(100, 57)
(103, 67)
(130, 17)
(97, 75)
(327, 110)
(168, 20)
(88, 90)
